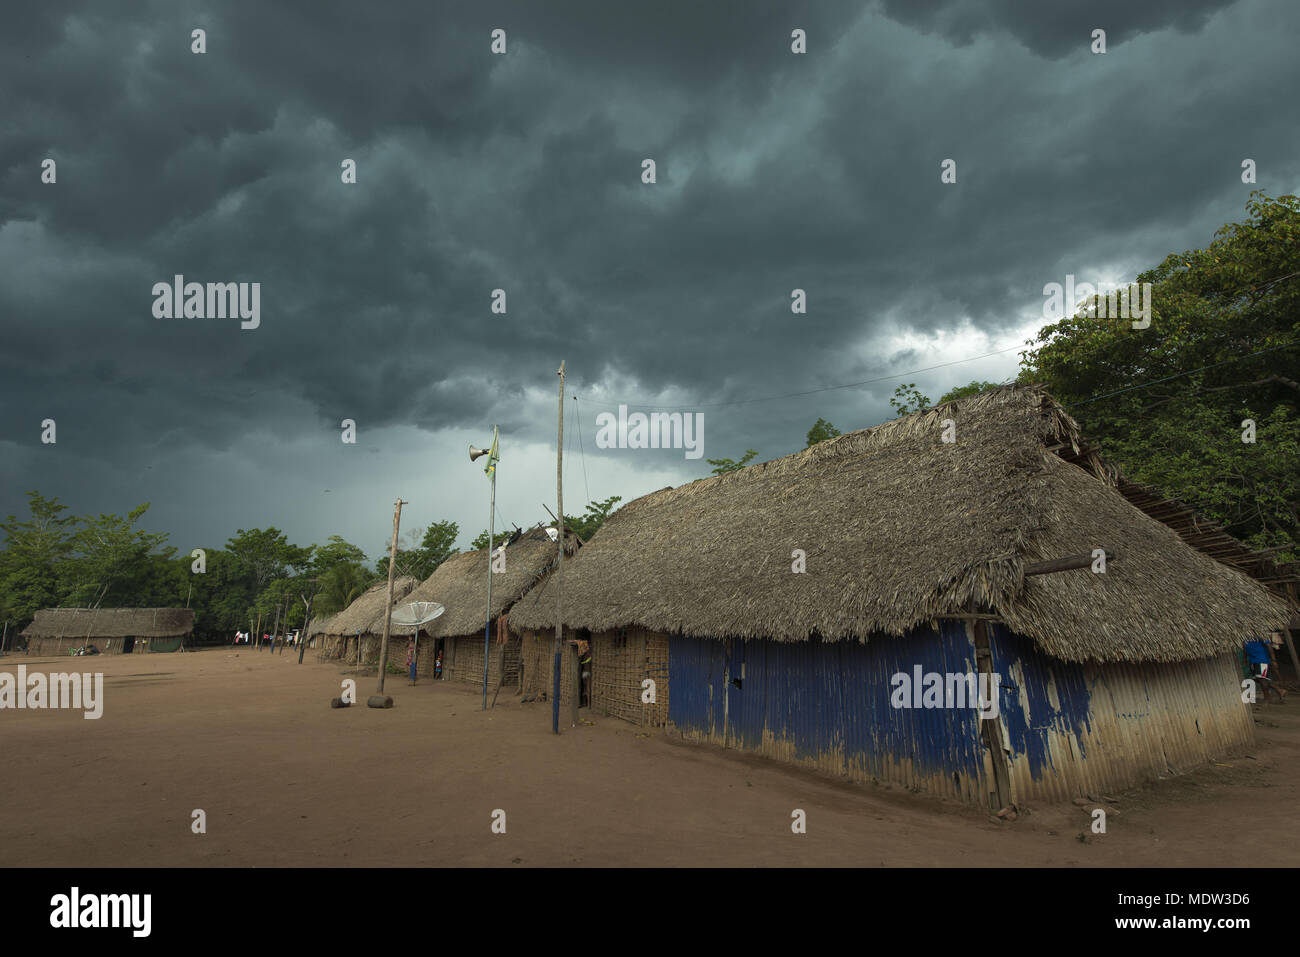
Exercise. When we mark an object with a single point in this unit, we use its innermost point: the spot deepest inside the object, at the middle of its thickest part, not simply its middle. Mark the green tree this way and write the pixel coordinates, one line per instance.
(334, 552)
(261, 556)
(732, 465)
(264, 554)
(907, 399)
(341, 585)
(481, 539)
(590, 521)
(219, 596)
(1168, 403)
(32, 562)
(112, 560)
(820, 432)
(435, 545)
(962, 391)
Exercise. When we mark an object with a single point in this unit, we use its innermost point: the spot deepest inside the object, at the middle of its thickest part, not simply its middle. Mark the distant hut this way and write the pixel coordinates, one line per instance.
(460, 585)
(56, 631)
(361, 622)
(791, 604)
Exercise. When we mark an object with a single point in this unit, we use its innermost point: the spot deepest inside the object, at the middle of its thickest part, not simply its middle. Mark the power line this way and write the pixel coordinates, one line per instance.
(829, 388)
(578, 410)
(1253, 287)
(1179, 375)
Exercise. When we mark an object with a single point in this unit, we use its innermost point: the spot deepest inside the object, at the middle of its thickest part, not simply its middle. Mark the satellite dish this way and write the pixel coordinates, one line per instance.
(416, 613)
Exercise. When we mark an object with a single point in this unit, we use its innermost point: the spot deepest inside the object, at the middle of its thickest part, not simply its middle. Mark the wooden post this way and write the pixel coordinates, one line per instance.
(575, 671)
(991, 729)
(1069, 563)
(275, 630)
(501, 670)
(559, 559)
(306, 620)
(388, 609)
(4, 636)
(1290, 646)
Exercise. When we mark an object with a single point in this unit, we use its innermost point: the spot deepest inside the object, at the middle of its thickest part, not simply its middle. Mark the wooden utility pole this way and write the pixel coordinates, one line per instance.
(275, 630)
(388, 609)
(307, 597)
(559, 560)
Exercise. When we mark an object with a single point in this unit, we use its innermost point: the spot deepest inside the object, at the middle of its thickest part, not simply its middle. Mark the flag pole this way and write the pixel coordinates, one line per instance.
(559, 560)
(492, 514)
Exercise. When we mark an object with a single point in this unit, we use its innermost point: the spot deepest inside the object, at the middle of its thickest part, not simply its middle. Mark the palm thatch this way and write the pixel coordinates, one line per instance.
(111, 623)
(901, 528)
(460, 583)
(366, 614)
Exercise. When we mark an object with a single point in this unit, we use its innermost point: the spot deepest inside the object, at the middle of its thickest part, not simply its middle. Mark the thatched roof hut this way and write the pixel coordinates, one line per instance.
(110, 623)
(366, 614)
(56, 631)
(797, 608)
(899, 528)
(460, 582)
(460, 585)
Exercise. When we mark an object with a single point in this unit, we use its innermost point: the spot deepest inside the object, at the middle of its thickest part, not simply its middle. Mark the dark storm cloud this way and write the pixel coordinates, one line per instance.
(522, 172)
(1051, 29)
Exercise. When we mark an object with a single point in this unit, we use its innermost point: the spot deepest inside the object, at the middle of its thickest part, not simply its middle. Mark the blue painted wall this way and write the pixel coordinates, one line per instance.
(828, 698)
(1028, 713)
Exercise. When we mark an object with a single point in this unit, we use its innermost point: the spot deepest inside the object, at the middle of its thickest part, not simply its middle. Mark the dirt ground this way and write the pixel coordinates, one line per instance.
(287, 781)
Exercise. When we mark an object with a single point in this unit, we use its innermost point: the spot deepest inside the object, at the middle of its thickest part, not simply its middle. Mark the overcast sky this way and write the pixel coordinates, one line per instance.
(478, 171)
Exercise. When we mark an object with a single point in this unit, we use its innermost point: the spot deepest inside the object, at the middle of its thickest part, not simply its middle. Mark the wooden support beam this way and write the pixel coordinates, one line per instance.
(1066, 564)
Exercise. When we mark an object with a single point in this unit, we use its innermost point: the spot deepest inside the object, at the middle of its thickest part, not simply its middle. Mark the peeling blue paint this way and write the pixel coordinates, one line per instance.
(1028, 725)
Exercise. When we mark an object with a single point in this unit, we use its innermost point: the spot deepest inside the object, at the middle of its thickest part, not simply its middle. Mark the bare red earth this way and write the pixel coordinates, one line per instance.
(285, 780)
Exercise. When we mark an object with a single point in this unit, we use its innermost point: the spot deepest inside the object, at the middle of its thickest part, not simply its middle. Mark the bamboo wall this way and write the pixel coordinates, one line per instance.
(467, 663)
(538, 658)
(620, 662)
(60, 647)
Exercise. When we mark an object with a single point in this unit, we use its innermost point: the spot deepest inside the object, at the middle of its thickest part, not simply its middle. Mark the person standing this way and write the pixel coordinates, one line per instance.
(410, 657)
(1259, 655)
(584, 662)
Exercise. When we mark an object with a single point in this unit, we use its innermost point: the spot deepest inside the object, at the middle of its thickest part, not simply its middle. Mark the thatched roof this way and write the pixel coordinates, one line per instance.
(900, 528)
(366, 614)
(460, 583)
(111, 623)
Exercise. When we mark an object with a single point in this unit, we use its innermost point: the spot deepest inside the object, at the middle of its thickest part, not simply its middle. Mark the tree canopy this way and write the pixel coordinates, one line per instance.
(1202, 403)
